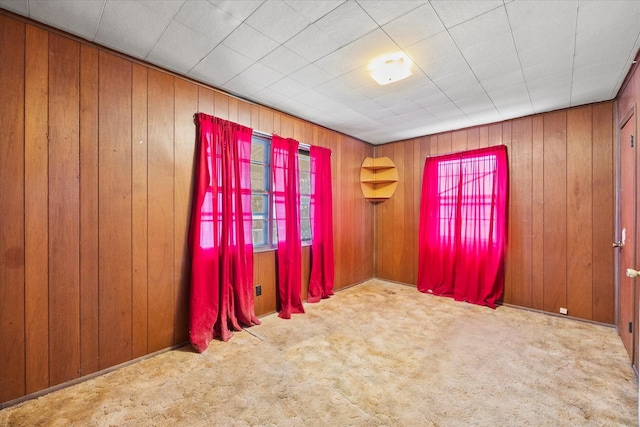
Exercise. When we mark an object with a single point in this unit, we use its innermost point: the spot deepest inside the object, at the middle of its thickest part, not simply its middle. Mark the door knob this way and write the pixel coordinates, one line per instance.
(632, 273)
(618, 244)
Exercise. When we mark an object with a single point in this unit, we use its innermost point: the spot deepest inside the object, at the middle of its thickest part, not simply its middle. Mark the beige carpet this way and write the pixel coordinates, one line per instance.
(377, 354)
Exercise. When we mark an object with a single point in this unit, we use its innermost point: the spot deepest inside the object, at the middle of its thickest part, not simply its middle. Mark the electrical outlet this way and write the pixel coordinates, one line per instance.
(563, 310)
(258, 290)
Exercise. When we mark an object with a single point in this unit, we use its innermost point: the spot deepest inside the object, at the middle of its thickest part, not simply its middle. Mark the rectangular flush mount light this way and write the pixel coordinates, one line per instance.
(390, 68)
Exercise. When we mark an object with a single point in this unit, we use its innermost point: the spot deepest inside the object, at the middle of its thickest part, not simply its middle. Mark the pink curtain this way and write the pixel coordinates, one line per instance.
(220, 233)
(286, 193)
(322, 267)
(463, 225)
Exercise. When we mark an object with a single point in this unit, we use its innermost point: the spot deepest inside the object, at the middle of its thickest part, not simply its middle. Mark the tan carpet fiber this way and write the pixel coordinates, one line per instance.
(377, 354)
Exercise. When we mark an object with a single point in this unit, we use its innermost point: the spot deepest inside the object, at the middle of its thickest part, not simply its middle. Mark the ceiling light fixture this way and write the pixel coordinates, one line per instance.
(390, 68)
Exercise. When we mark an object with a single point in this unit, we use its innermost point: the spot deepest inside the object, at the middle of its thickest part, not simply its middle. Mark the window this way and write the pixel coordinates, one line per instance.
(466, 189)
(263, 225)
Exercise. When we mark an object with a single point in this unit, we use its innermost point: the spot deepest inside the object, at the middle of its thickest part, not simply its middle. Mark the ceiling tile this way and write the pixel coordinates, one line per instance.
(346, 23)
(250, 42)
(180, 48)
(220, 66)
(312, 43)
(240, 86)
(18, 6)
(485, 28)
(79, 18)
(259, 73)
(239, 9)
(134, 27)
(207, 19)
(288, 87)
(277, 20)
(310, 75)
(357, 54)
(316, 9)
(432, 49)
(419, 24)
(284, 60)
(452, 13)
(386, 11)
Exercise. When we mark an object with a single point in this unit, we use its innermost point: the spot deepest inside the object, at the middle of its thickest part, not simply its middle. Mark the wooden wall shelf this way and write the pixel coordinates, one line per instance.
(378, 178)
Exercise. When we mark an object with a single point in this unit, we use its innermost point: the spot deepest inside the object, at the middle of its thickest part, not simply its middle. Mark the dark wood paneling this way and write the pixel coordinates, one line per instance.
(603, 207)
(89, 260)
(139, 211)
(579, 213)
(12, 233)
(105, 180)
(115, 210)
(64, 222)
(35, 204)
(552, 177)
(555, 211)
(186, 99)
(160, 210)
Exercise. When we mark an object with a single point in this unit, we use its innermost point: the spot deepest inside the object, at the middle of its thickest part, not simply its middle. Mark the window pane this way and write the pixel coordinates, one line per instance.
(259, 205)
(258, 150)
(305, 229)
(303, 162)
(305, 183)
(257, 177)
(258, 232)
(304, 207)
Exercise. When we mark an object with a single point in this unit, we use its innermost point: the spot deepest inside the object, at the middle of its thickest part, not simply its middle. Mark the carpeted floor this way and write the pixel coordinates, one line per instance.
(377, 354)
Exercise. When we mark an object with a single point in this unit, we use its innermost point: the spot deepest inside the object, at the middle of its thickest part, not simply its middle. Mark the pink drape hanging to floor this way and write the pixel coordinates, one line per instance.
(220, 233)
(322, 262)
(286, 193)
(463, 225)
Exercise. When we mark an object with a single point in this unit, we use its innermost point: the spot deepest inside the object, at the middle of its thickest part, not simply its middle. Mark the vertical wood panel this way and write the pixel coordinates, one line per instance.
(519, 240)
(12, 250)
(458, 141)
(160, 209)
(537, 213)
(400, 214)
(186, 99)
(508, 268)
(603, 213)
(205, 101)
(384, 227)
(221, 105)
(64, 224)
(233, 109)
(579, 213)
(264, 274)
(139, 210)
(89, 261)
(555, 211)
(115, 203)
(473, 138)
(35, 205)
(244, 114)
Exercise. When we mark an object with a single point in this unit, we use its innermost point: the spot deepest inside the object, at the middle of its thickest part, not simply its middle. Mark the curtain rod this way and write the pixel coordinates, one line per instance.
(268, 135)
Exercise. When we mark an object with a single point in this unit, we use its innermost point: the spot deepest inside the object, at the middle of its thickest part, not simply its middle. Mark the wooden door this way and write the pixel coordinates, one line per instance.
(627, 308)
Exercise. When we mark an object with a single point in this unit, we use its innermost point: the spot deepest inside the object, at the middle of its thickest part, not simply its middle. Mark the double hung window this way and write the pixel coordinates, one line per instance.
(264, 232)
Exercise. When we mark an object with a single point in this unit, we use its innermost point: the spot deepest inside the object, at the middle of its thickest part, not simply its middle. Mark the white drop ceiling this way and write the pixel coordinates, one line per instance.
(476, 61)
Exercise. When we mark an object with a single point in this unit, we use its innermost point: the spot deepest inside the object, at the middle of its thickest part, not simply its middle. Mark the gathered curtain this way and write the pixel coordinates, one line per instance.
(286, 193)
(322, 262)
(221, 298)
(463, 225)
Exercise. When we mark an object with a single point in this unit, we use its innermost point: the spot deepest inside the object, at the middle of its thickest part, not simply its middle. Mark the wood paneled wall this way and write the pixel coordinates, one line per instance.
(96, 166)
(561, 208)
